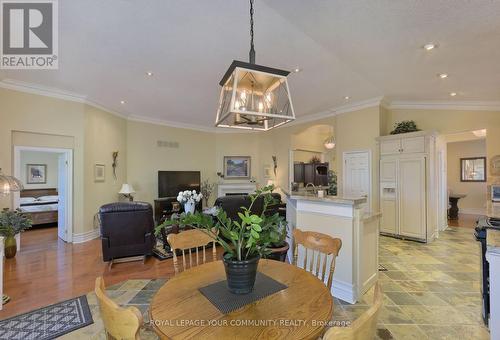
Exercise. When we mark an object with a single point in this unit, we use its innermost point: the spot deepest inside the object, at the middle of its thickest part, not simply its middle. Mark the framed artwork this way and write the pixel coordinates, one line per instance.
(473, 169)
(237, 167)
(267, 171)
(37, 173)
(99, 173)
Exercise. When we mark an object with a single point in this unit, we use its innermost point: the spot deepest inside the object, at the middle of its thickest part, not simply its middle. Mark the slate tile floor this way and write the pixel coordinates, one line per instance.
(430, 292)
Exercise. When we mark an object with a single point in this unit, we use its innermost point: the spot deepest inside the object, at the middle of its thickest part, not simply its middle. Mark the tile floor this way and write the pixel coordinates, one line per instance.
(431, 292)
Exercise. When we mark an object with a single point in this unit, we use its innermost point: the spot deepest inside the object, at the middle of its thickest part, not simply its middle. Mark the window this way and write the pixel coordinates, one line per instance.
(473, 169)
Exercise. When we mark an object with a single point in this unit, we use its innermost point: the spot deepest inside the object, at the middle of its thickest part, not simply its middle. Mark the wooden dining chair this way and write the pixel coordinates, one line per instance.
(364, 327)
(187, 240)
(119, 323)
(322, 247)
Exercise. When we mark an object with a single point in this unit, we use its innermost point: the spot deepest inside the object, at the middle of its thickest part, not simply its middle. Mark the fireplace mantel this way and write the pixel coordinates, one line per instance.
(235, 188)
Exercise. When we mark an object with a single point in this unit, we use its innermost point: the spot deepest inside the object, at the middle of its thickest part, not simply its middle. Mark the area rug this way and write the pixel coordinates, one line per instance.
(48, 322)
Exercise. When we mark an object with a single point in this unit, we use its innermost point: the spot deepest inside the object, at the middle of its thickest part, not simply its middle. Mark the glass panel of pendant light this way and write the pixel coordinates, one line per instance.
(254, 100)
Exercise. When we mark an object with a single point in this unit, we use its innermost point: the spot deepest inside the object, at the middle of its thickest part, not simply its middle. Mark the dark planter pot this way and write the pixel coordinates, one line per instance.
(279, 254)
(241, 274)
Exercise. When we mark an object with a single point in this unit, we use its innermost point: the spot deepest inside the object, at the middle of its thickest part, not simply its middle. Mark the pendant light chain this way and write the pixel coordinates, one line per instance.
(252, 50)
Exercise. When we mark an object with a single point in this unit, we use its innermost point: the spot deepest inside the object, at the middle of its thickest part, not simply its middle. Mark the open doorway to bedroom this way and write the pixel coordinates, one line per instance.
(46, 174)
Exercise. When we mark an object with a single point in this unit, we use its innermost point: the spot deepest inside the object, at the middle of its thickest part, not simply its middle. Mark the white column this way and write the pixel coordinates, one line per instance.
(493, 257)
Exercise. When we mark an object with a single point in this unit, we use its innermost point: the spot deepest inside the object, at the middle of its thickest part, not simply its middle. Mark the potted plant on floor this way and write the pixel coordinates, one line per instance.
(241, 239)
(12, 222)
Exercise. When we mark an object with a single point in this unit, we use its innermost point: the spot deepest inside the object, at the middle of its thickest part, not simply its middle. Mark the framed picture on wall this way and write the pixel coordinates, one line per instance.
(237, 167)
(37, 173)
(99, 173)
(473, 169)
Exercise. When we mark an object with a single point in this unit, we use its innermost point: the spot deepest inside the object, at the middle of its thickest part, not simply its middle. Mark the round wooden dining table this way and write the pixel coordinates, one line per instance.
(301, 311)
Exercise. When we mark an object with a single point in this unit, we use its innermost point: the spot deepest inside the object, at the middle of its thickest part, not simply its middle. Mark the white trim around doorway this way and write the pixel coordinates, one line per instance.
(69, 156)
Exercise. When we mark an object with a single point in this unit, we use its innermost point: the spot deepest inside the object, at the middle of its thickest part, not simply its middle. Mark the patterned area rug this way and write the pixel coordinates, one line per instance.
(48, 322)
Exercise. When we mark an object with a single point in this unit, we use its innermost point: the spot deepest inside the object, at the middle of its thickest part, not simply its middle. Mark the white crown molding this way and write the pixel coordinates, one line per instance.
(21, 86)
(445, 105)
(149, 120)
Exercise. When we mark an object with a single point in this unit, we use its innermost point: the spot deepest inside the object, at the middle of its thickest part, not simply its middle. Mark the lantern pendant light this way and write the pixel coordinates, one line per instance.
(254, 97)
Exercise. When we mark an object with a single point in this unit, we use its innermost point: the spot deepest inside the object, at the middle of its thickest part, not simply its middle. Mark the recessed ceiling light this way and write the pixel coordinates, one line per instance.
(430, 46)
(149, 73)
(122, 102)
(443, 75)
(297, 70)
(347, 97)
(453, 94)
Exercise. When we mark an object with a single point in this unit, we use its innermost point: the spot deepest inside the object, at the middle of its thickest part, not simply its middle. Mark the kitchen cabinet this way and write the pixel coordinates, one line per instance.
(408, 192)
(315, 173)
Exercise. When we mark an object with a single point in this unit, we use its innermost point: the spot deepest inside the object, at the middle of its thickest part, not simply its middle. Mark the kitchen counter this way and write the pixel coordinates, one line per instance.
(493, 209)
(327, 198)
(345, 218)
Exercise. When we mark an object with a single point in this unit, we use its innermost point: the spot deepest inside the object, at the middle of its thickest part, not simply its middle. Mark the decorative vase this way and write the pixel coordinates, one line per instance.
(241, 274)
(189, 207)
(10, 247)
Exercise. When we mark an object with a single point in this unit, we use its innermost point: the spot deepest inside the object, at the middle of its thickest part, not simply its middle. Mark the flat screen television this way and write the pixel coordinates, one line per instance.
(171, 182)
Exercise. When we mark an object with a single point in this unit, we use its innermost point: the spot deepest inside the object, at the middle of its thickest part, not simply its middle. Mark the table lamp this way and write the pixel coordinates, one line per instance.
(127, 190)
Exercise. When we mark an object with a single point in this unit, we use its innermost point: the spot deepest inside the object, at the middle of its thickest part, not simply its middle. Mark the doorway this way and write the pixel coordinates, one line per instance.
(465, 170)
(47, 174)
(357, 175)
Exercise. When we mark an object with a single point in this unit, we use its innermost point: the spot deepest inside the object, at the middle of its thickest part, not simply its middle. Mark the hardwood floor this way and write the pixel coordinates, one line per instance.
(48, 270)
(464, 220)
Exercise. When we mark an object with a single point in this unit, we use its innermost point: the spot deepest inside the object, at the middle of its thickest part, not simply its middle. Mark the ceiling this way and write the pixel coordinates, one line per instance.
(358, 48)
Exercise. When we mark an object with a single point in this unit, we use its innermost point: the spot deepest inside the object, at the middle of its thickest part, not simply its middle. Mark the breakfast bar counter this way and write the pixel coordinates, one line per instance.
(340, 217)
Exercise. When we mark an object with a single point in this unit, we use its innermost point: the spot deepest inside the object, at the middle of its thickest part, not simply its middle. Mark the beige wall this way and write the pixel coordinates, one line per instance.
(104, 134)
(357, 131)
(476, 192)
(196, 152)
(453, 121)
(50, 159)
(38, 121)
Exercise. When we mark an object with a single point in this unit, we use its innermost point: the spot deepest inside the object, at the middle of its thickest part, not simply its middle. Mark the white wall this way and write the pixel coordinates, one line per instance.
(37, 157)
(476, 192)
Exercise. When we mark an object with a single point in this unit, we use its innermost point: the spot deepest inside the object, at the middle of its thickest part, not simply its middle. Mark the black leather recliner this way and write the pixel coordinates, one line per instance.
(127, 229)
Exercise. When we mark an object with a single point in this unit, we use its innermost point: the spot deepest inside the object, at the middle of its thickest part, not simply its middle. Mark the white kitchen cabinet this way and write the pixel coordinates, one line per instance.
(407, 186)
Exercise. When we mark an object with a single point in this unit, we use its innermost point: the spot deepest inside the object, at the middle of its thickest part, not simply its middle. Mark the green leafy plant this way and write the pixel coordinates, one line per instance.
(13, 222)
(332, 183)
(244, 239)
(404, 127)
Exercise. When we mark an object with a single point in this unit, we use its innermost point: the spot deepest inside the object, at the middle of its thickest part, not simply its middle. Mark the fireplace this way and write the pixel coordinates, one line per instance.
(233, 189)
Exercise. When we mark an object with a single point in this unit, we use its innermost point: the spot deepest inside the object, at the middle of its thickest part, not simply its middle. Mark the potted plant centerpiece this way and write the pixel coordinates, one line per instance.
(243, 240)
(12, 222)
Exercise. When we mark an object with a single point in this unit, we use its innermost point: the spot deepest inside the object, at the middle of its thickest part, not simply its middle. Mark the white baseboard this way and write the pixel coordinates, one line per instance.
(86, 236)
(472, 211)
(344, 291)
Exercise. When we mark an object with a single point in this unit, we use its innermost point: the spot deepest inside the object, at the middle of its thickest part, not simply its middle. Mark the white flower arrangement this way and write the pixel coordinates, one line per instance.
(189, 196)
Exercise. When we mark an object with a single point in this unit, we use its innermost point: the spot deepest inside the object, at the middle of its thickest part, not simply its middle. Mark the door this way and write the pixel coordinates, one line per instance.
(308, 173)
(357, 170)
(388, 169)
(412, 198)
(413, 144)
(390, 147)
(62, 188)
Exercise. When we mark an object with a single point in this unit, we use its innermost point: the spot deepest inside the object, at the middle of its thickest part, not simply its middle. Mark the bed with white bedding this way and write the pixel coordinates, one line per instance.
(40, 204)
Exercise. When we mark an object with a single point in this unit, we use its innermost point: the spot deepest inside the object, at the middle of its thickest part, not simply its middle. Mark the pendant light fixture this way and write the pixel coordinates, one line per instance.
(9, 184)
(330, 143)
(254, 97)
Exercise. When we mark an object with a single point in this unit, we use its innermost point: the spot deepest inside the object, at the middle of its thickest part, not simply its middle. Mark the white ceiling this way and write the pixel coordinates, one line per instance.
(360, 48)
